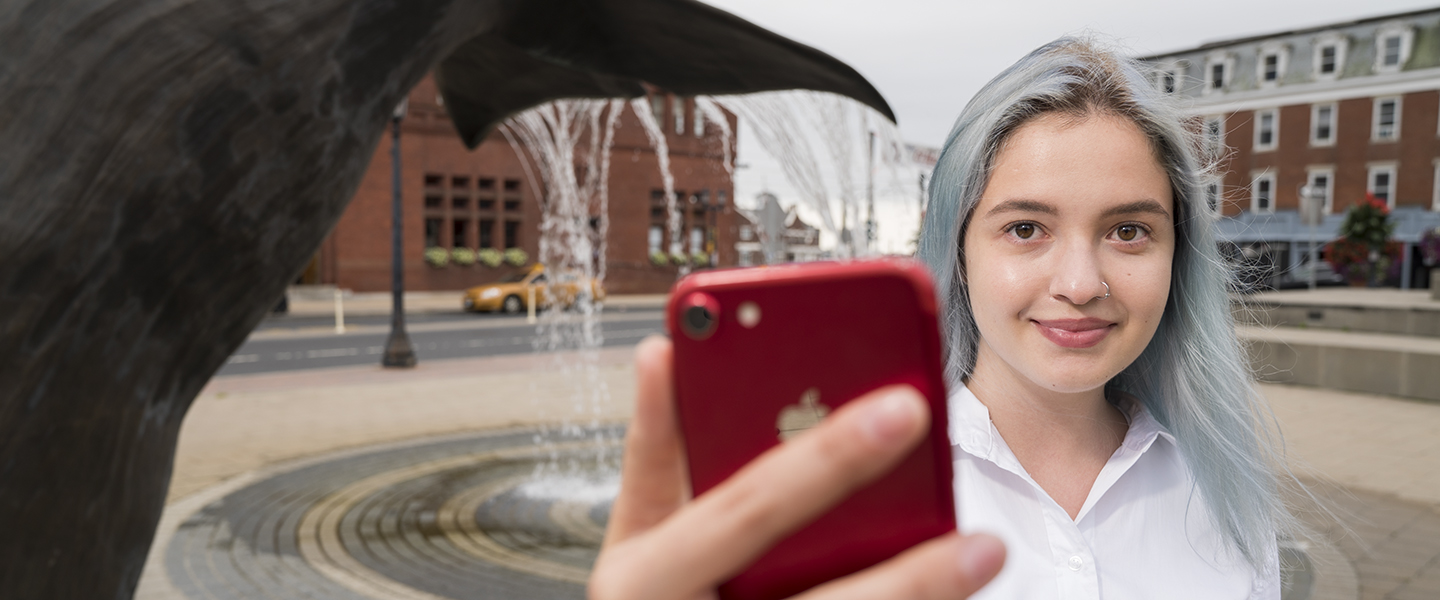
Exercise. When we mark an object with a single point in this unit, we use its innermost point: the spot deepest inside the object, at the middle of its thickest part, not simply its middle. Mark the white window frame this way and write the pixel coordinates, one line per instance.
(657, 110)
(1274, 130)
(1214, 145)
(1315, 123)
(1219, 183)
(1392, 31)
(1375, 119)
(698, 121)
(1435, 196)
(1281, 52)
(655, 243)
(1227, 66)
(1255, 179)
(1341, 44)
(1329, 172)
(1382, 167)
(677, 106)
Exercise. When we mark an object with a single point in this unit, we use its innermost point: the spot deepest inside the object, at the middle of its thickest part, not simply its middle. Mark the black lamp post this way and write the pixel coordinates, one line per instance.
(398, 352)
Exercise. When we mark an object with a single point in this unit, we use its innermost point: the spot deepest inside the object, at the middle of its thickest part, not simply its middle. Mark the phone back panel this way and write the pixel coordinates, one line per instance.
(827, 333)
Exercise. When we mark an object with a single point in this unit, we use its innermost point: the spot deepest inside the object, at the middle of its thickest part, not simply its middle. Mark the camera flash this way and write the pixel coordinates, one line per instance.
(749, 314)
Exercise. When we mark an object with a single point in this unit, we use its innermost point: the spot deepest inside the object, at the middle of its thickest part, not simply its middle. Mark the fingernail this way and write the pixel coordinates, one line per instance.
(891, 419)
(981, 557)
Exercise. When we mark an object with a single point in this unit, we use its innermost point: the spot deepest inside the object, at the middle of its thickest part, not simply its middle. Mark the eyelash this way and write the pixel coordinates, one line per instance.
(1144, 233)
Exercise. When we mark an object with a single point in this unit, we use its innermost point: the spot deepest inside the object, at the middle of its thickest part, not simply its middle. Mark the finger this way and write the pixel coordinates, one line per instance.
(946, 567)
(725, 529)
(652, 484)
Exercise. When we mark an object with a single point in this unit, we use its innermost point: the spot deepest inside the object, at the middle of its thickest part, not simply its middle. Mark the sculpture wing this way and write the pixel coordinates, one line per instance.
(606, 48)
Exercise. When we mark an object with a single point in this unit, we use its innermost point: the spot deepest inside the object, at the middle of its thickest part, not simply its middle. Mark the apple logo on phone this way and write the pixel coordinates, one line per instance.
(796, 418)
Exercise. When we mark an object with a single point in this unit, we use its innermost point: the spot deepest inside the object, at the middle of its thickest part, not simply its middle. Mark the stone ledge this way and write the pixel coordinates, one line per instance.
(1393, 365)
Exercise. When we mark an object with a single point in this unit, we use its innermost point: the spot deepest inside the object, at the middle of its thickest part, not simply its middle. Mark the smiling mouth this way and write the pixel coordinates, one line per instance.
(1074, 333)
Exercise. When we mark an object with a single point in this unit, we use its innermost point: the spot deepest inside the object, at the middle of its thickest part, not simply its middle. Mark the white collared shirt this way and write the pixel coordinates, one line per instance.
(1142, 534)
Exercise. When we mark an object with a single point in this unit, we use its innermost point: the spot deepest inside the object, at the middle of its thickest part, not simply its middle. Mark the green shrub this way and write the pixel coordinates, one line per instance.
(700, 259)
(490, 257)
(516, 257)
(659, 258)
(679, 259)
(437, 256)
(463, 256)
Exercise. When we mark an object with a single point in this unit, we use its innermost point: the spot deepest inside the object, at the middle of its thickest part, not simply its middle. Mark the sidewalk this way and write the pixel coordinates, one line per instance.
(1372, 458)
(379, 303)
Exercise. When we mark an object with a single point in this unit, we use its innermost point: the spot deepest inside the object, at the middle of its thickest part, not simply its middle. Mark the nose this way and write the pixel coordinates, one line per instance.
(1077, 277)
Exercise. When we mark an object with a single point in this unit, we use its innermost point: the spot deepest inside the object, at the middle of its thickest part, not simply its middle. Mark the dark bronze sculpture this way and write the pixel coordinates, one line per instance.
(166, 166)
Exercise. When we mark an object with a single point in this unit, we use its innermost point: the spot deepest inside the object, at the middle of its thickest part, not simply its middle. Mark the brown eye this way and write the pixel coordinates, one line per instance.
(1024, 231)
(1127, 233)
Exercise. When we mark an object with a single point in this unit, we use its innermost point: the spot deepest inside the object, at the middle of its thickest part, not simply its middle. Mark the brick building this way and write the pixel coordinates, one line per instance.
(1347, 108)
(487, 198)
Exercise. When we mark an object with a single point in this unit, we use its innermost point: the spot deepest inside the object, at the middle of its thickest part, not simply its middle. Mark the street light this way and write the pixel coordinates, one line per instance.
(398, 352)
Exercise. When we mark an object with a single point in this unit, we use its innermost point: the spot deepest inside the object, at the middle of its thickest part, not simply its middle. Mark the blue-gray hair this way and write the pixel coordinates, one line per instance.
(1193, 376)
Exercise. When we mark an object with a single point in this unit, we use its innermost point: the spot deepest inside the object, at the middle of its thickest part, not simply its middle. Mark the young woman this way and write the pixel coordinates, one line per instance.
(1104, 421)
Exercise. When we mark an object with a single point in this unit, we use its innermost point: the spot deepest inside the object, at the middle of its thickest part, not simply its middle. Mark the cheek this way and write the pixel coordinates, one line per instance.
(1006, 284)
(1147, 289)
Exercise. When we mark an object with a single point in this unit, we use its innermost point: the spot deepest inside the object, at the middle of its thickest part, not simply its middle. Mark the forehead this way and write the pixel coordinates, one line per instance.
(1077, 165)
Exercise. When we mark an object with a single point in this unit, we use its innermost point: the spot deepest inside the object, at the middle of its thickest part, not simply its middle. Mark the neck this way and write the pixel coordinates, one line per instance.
(1033, 417)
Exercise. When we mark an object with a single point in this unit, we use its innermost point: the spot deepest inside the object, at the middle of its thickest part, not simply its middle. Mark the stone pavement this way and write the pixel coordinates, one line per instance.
(1373, 460)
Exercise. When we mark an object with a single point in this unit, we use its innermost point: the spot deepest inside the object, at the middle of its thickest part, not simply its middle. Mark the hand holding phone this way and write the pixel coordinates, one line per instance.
(662, 545)
(762, 355)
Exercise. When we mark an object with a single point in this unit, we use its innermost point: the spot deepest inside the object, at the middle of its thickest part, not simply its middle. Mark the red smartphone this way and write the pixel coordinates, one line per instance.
(762, 354)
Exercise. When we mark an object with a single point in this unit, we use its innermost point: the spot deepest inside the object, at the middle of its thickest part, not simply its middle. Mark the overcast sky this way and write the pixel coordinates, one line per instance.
(928, 57)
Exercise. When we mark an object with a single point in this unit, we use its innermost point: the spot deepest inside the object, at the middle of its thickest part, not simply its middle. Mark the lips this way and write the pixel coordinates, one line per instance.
(1074, 333)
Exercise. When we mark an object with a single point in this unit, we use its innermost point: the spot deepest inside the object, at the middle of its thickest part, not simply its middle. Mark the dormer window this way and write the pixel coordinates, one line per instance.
(1274, 58)
(1327, 59)
(1217, 76)
(1270, 68)
(1329, 56)
(1392, 47)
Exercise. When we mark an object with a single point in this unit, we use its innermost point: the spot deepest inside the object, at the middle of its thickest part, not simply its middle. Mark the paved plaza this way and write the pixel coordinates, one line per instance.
(360, 483)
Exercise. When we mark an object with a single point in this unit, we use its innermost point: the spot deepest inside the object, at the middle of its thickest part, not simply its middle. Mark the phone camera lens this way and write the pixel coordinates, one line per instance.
(698, 322)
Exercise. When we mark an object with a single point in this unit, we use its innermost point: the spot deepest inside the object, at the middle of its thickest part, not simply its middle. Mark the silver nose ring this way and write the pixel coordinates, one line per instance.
(1107, 291)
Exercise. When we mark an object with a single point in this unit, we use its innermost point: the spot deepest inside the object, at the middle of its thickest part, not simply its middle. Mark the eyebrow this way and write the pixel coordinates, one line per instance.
(1023, 206)
(1139, 206)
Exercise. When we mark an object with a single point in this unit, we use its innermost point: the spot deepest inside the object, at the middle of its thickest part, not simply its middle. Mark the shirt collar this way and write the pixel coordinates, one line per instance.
(972, 431)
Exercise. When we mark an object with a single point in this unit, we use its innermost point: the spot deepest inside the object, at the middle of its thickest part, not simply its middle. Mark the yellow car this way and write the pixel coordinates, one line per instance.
(512, 294)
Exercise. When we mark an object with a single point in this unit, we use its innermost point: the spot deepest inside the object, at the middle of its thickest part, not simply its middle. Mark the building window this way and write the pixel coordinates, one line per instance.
(747, 232)
(657, 109)
(1270, 70)
(1323, 179)
(1262, 193)
(461, 238)
(657, 238)
(1392, 47)
(487, 233)
(1167, 80)
(1212, 195)
(1267, 129)
(432, 201)
(1382, 183)
(512, 234)
(1327, 59)
(1435, 196)
(677, 112)
(699, 121)
(697, 239)
(1329, 56)
(432, 232)
(1387, 119)
(1322, 125)
(1216, 80)
(1214, 136)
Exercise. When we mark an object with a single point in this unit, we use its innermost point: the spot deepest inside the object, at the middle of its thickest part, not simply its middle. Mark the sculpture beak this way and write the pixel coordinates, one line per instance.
(555, 49)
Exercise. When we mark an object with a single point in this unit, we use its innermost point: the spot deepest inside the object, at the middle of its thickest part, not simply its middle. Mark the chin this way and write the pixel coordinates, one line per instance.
(1081, 376)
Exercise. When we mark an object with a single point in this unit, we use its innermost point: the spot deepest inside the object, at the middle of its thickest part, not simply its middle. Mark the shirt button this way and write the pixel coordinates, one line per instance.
(1076, 563)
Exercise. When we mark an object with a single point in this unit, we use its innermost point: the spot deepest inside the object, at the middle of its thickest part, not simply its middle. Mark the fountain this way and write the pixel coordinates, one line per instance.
(156, 198)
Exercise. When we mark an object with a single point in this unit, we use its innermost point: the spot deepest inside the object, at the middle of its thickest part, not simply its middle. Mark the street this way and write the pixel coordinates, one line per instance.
(285, 343)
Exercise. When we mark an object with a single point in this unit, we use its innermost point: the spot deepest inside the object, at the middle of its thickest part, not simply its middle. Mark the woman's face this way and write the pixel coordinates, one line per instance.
(1072, 204)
